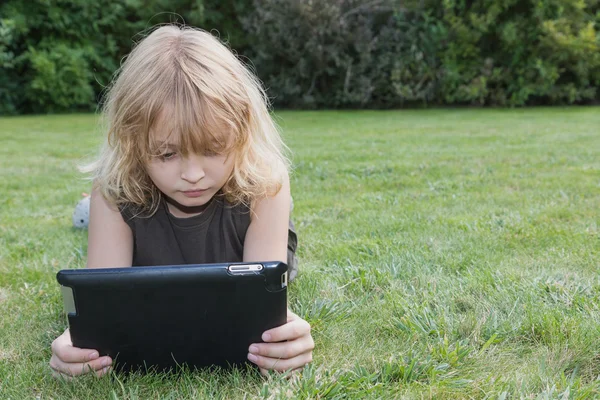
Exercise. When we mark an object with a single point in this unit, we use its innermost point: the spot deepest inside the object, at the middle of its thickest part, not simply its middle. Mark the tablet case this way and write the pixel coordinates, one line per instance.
(164, 317)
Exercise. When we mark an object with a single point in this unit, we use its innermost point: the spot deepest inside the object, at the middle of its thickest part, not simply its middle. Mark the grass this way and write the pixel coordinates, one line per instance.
(444, 254)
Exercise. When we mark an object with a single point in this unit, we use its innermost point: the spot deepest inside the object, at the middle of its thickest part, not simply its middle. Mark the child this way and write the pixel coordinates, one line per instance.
(192, 171)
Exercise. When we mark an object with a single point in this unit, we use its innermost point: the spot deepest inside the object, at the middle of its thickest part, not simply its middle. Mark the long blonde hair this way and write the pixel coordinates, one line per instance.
(216, 104)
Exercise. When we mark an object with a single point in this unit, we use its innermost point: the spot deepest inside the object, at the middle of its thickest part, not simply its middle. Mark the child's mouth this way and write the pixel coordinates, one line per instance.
(193, 193)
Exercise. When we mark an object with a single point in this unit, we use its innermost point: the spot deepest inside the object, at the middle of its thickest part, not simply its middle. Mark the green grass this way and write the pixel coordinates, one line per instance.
(444, 254)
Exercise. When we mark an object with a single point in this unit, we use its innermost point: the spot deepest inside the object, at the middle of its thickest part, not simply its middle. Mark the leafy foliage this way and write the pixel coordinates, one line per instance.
(58, 55)
(521, 52)
(378, 54)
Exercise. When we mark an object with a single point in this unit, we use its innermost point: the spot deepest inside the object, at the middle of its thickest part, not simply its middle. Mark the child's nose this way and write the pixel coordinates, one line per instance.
(192, 169)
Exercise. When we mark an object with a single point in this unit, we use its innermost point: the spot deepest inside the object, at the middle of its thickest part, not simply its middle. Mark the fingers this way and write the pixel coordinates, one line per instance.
(67, 376)
(280, 365)
(63, 348)
(284, 349)
(295, 328)
(288, 347)
(99, 366)
(71, 361)
(98, 374)
(291, 316)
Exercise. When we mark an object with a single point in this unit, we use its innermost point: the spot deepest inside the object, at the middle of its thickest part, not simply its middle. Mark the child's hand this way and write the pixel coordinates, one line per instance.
(68, 361)
(294, 351)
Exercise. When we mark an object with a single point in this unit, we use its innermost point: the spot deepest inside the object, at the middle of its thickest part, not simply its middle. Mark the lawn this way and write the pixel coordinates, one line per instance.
(444, 254)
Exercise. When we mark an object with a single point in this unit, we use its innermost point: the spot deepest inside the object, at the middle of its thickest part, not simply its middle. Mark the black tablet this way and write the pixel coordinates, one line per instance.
(167, 316)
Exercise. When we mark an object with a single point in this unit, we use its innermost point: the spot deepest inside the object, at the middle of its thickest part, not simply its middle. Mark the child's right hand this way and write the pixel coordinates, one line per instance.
(69, 361)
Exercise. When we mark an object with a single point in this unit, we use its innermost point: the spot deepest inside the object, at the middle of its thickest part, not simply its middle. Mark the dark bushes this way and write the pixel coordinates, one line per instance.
(57, 55)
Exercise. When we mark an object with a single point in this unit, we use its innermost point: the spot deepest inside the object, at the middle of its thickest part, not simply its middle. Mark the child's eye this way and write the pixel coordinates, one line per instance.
(167, 156)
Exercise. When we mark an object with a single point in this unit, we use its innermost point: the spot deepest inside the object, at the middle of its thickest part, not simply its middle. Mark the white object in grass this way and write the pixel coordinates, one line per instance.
(81, 215)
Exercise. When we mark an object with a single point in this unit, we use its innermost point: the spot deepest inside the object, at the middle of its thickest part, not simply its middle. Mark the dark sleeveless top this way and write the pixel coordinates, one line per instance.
(215, 235)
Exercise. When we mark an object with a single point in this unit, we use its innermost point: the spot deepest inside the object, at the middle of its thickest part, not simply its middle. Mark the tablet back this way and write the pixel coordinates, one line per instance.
(162, 317)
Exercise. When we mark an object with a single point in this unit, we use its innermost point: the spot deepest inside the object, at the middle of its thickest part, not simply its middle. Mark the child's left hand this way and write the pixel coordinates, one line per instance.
(294, 351)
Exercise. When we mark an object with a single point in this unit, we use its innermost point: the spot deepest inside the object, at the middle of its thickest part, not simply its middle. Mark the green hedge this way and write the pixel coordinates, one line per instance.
(519, 52)
(58, 55)
(442, 52)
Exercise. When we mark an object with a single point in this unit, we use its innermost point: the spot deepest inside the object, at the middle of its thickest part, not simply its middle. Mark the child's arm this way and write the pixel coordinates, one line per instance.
(110, 244)
(267, 236)
(289, 346)
(110, 241)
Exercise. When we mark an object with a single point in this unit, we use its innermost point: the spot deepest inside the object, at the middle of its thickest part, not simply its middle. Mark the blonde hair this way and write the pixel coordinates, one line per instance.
(216, 105)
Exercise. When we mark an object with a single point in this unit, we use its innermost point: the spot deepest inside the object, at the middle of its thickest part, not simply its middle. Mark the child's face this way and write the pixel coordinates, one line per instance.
(188, 182)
